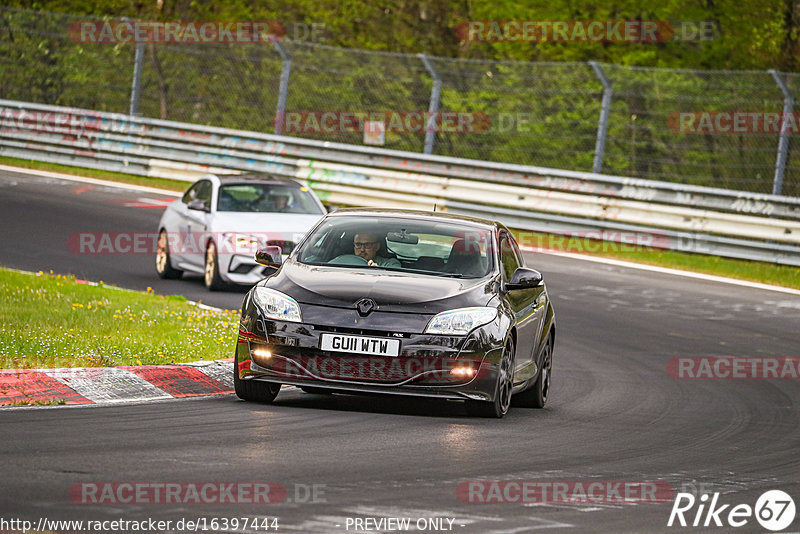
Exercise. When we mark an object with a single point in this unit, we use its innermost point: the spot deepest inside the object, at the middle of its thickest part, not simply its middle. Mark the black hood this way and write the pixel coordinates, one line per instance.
(392, 291)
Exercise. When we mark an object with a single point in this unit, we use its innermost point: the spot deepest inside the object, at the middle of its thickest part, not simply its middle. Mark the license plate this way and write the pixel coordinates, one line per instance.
(377, 346)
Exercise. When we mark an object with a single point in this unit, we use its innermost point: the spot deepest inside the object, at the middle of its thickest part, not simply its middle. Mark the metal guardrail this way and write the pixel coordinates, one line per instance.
(698, 219)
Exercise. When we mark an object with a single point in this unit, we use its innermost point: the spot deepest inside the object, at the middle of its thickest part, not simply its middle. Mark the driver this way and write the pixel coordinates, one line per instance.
(366, 246)
(280, 201)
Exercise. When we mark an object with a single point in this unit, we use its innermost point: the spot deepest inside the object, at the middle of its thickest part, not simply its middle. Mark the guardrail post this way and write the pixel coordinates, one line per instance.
(783, 143)
(433, 107)
(605, 110)
(283, 90)
(136, 85)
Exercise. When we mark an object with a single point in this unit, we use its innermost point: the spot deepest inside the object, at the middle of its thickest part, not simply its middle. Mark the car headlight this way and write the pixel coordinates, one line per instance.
(243, 241)
(460, 321)
(275, 305)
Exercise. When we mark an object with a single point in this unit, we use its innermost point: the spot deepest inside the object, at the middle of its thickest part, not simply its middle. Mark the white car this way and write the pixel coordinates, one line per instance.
(218, 224)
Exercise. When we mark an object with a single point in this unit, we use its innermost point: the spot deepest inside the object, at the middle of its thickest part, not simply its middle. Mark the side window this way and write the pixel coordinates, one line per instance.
(191, 193)
(204, 192)
(509, 256)
(517, 252)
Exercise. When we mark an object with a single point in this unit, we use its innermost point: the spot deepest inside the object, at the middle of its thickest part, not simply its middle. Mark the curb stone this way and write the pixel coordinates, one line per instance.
(115, 385)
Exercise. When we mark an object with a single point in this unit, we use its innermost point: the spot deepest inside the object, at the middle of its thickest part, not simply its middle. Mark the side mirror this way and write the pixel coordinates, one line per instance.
(524, 278)
(331, 208)
(269, 256)
(198, 205)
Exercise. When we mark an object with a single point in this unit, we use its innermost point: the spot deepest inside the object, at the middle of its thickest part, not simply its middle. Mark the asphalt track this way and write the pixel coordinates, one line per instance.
(614, 414)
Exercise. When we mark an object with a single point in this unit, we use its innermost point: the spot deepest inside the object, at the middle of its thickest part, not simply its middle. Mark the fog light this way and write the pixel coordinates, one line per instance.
(463, 371)
(261, 356)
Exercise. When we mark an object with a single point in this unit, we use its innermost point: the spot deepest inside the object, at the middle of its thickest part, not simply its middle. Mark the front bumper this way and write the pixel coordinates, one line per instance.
(427, 365)
(242, 269)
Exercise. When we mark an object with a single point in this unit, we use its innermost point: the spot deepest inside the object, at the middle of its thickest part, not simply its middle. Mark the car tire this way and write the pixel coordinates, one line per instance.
(164, 267)
(502, 397)
(211, 278)
(253, 390)
(316, 391)
(536, 395)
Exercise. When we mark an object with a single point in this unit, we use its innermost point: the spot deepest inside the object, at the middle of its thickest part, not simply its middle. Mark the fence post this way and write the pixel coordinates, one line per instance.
(433, 107)
(283, 90)
(605, 109)
(136, 84)
(783, 143)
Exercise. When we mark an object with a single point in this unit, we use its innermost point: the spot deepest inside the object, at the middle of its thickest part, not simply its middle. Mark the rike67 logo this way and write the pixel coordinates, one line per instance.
(774, 510)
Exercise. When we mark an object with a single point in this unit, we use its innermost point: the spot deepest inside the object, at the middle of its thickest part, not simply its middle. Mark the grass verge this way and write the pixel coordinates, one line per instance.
(52, 321)
(754, 271)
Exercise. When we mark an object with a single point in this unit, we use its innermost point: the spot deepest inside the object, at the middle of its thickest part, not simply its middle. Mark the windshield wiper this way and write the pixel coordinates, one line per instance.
(425, 271)
(446, 275)
(390, 269)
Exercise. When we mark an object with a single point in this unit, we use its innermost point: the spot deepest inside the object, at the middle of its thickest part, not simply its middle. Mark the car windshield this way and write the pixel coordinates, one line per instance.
(431, 247)
(267, 198)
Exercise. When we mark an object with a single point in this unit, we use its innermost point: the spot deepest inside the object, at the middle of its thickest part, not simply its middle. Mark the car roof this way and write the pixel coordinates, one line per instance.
(417, 214)
(257, 178)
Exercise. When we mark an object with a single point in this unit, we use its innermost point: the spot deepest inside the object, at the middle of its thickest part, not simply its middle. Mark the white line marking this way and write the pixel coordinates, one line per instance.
(142, 202)
(666, 270)
(86, 180)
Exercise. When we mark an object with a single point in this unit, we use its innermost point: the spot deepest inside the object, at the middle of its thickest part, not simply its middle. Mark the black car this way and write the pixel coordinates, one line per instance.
(401, 302)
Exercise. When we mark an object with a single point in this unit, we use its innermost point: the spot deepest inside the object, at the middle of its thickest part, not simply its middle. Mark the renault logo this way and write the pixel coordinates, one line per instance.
(365, 307)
